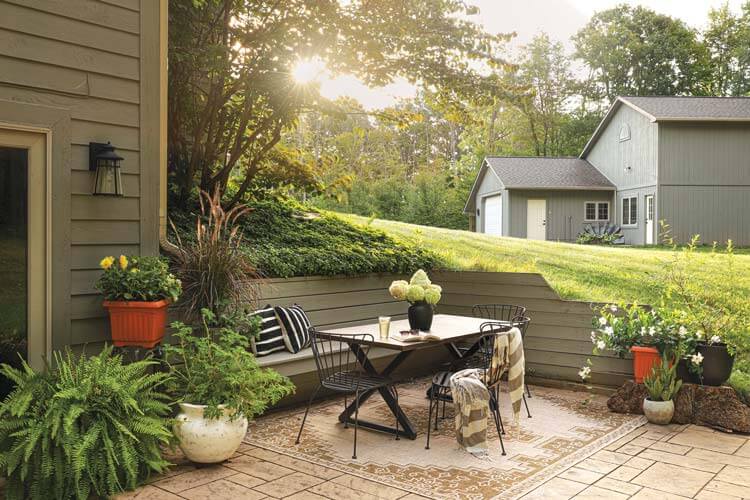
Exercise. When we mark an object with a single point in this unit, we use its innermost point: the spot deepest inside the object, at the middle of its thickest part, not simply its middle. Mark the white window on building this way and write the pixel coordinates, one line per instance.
(596, 211)
(630, 211)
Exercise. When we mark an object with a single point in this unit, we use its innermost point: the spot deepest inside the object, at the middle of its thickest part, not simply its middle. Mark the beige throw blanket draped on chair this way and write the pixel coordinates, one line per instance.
(471, 397)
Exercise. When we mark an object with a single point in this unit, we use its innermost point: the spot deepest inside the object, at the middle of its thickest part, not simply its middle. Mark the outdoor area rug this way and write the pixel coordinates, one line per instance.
(565, 427)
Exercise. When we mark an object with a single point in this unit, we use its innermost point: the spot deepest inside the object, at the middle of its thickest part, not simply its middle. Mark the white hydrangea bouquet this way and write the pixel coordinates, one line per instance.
(418, 289)
(422, 295)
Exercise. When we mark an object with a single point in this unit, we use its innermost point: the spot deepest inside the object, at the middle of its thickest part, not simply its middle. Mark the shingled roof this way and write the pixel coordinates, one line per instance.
(666, 108)
(547, 173)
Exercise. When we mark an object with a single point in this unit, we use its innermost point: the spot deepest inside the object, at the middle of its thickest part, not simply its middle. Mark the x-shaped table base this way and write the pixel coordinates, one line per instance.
(405, 427)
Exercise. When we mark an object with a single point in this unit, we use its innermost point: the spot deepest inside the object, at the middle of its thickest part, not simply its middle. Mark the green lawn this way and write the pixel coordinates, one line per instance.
(581, 272)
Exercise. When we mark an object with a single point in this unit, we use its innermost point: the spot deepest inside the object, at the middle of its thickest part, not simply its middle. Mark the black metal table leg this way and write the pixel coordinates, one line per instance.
(406, 428)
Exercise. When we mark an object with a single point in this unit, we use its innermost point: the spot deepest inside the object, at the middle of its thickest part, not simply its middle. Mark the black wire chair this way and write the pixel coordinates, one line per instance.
(505, 312)
(340, 372)
(498, 312)
(481, 359)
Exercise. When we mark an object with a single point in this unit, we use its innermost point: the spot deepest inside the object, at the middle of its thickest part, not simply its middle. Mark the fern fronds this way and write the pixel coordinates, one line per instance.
(85, 426)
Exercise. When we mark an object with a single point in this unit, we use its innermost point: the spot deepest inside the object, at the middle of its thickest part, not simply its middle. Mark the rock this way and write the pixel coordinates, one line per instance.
(717, 407)
(628, 398)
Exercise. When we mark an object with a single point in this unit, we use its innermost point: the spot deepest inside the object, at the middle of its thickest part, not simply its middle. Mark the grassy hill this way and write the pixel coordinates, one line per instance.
(581, 272)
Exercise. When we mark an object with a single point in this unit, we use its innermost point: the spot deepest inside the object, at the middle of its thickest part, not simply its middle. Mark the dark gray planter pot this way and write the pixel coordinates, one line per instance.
(717, 364)
(420, 316)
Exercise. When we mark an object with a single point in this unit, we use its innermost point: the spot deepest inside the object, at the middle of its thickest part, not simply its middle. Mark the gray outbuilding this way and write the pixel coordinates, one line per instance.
(681, 160)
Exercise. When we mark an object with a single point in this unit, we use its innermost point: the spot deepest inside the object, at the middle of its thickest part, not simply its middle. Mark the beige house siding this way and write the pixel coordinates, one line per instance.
(101, 64)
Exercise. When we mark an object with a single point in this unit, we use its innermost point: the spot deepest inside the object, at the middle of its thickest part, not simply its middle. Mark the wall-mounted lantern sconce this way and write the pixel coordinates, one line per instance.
(106, 164)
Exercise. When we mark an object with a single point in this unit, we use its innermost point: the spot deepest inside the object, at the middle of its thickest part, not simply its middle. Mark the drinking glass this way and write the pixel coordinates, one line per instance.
(385, 326)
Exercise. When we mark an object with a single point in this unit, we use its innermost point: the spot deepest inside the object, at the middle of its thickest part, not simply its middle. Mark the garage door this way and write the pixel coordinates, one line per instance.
(493, 215)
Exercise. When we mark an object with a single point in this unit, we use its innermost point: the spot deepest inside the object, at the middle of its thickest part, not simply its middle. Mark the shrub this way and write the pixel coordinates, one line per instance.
(740, 382)
(137, 278)
(214, 270)
(285, 239)
(215, 368)
(602, 234)
(83, 427)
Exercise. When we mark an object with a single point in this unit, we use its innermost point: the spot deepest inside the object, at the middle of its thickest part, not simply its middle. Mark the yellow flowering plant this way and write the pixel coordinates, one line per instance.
(138, 279)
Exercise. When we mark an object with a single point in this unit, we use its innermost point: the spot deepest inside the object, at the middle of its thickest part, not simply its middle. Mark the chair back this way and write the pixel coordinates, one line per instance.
(522, 323)
(486, 349)
(332, 353)
(498, 312)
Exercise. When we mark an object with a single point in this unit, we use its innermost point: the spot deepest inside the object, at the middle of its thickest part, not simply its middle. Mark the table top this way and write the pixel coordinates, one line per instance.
(448, 327)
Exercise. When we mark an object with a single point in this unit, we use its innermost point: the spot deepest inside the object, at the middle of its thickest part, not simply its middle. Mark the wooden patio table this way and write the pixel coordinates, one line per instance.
(449, 328)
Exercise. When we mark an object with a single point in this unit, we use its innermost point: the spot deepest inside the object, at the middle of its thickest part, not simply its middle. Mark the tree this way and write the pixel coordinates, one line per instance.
(635, 51)
(232, 95)
(545, 71)
(726, 38)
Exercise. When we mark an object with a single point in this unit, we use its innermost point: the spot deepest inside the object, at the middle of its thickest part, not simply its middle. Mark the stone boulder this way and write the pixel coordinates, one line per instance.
(717, 407)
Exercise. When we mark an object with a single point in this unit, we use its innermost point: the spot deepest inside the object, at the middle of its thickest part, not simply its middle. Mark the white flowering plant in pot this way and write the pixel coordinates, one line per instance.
(617, 328)
(418, 289)
(422, 294)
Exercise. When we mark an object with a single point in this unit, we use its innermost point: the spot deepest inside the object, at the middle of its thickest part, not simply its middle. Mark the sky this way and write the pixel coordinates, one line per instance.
(561, 19)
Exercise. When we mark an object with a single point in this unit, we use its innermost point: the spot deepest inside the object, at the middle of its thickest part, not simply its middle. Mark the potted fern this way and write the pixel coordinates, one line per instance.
(137, 292)
(84, 427)
(662, 386)
(219, 387)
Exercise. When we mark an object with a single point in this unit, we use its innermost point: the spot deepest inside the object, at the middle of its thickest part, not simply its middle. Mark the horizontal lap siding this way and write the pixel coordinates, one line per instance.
(557, 343)
(83, 56)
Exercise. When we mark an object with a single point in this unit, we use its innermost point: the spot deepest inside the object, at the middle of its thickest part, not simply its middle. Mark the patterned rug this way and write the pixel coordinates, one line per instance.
(565, 427)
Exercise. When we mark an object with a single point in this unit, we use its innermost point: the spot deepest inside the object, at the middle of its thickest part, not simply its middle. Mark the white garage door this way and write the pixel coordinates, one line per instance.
(493, 215)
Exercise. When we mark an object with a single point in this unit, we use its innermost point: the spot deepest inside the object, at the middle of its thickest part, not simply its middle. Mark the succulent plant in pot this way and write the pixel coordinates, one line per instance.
(662, 386)
(422, 294)
(219, 387)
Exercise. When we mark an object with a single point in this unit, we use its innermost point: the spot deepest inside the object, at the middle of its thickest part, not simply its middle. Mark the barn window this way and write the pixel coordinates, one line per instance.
(630, 211)
(596, 211)
(625, 133)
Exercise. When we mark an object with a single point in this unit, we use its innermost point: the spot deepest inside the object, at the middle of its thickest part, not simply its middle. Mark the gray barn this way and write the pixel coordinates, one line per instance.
(681, 160)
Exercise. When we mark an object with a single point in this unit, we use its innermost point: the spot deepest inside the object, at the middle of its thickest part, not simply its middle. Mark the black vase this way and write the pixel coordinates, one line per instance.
(420, 316)
(717, 363)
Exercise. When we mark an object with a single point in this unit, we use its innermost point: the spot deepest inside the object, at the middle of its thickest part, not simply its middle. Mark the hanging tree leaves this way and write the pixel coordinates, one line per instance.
(232, 94)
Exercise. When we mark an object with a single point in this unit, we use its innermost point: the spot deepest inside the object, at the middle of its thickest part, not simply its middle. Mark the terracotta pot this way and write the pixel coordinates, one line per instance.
(208, 441)
(420, 316)
(658, 412)
(644, 358)
(717, 363)
(136, 323)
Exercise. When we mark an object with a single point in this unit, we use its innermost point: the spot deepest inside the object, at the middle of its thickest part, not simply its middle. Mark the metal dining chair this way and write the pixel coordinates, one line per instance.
(339, 371)
(504, 312)
(482, 360)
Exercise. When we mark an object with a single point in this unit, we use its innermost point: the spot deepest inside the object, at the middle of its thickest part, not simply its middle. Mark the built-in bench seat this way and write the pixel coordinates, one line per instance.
(557, 343)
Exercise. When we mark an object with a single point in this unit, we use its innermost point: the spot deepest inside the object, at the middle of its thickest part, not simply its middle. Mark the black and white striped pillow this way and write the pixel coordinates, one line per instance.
(295, 327)
(270, 338)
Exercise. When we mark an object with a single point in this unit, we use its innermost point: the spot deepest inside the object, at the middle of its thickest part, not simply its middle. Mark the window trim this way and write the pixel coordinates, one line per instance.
(633, 223)
(596, 211)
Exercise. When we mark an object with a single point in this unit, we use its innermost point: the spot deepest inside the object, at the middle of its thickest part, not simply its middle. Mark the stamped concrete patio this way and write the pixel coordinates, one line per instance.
(650, 462)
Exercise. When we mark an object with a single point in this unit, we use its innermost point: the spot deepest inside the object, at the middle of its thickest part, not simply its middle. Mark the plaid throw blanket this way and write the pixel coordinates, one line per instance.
(471, 397)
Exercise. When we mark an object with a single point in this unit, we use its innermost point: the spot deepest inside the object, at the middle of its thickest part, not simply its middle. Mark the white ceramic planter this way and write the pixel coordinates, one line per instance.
(658, 412)
(208, 441)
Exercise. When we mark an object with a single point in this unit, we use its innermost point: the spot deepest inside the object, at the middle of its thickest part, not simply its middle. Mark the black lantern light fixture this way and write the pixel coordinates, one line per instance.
(106, 164)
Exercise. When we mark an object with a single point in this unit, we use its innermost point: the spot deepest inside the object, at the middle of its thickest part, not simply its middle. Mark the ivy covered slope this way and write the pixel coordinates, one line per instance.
(286, 239)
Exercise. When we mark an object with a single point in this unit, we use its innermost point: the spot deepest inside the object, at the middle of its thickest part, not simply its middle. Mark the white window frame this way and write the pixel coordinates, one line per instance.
(630, 223)
(596, 211)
